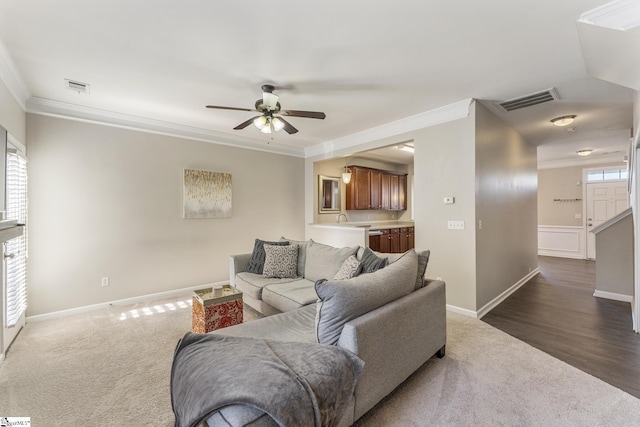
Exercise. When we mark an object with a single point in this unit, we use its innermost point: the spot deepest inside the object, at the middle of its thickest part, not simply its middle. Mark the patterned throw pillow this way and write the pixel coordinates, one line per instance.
(280, 261)
(256, 262)
(350, 268)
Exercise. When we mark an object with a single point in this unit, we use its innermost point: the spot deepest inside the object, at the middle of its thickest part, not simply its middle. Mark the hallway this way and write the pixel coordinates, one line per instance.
(557, 313)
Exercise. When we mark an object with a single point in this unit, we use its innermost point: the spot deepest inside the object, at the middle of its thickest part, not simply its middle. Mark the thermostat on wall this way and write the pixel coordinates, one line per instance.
(449, 200)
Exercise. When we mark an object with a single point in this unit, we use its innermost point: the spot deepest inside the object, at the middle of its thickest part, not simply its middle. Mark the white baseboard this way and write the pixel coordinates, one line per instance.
(503, 296)
(463, 311)
(126, 301)
(613, 296)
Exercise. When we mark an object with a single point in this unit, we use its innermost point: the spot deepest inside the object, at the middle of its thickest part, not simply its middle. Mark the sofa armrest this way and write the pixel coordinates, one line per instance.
(237, 264)
(395, 340)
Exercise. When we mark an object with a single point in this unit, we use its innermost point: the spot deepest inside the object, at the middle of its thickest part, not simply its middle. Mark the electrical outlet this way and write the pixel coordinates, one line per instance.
(455, 225)
(105, 281)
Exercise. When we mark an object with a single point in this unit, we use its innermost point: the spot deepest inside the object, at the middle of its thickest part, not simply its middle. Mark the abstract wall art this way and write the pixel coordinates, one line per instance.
(206, 194)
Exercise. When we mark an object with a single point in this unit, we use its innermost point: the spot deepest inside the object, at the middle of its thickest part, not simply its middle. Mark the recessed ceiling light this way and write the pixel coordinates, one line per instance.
(563, 120)
(585, 152)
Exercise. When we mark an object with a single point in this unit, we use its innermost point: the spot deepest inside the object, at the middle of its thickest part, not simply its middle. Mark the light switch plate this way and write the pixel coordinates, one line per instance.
(455, 225)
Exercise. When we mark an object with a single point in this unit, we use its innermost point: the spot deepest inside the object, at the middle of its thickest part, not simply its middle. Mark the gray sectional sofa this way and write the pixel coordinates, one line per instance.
(316, 261)
(392, 318)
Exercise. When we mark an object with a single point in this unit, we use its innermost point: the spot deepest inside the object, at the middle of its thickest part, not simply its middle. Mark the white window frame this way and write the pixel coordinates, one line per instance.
(16, 250)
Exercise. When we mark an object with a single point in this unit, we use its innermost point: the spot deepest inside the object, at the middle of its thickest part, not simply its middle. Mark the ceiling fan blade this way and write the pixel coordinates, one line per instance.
(288, 127)
(307, 114)
(246, 123)
(230, 108)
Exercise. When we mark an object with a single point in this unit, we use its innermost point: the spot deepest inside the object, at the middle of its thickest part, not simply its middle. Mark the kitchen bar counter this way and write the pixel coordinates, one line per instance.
(350, 233)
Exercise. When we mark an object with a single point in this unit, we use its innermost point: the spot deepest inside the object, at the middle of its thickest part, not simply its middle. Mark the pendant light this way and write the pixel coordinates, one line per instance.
(346, 175)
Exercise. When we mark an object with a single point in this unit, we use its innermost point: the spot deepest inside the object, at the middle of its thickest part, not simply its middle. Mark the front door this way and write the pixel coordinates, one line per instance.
(604, 201)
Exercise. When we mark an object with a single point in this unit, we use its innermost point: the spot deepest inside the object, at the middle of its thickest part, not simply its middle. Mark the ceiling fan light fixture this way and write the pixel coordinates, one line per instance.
(585, 152)
(270, 100)
(278, 124)
(260, 122)
(563, 120)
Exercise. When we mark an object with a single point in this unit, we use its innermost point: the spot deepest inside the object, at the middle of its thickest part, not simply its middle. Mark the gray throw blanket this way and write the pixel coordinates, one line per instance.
(296, 384)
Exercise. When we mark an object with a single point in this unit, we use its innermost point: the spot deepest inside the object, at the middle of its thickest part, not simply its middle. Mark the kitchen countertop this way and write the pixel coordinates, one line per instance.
(371, 225)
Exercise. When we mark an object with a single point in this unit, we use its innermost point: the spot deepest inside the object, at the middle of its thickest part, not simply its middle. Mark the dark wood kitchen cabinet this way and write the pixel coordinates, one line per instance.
(374, 189)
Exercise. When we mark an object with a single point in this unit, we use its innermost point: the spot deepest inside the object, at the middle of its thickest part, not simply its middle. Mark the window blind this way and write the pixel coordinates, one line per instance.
(16, 249)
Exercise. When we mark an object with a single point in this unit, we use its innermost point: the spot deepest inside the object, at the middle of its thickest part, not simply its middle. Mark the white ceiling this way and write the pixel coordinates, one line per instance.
(364, 64)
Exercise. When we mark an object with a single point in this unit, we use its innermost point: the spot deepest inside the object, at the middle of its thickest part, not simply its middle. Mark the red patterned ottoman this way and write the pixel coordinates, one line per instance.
(216, 308)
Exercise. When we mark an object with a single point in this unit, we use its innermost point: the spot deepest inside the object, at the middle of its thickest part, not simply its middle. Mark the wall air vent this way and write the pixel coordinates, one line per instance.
(529, 100)
(77, 86)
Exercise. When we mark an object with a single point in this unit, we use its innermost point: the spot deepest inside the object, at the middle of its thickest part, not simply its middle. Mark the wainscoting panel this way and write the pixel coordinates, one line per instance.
(561, 241)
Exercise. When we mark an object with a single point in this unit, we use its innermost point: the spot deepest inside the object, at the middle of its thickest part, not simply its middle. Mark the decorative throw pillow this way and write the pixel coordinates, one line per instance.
(340, 301)
(280, 261)
(370, 262)
(423, 260)
(324, 261)
(350, 268)
(256, 263)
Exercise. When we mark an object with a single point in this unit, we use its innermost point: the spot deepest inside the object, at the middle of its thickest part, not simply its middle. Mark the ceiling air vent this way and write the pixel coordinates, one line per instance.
(529, 100)
(77, 86)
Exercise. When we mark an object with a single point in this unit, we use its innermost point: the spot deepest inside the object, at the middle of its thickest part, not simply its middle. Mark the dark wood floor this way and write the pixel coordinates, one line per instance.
(557, 313)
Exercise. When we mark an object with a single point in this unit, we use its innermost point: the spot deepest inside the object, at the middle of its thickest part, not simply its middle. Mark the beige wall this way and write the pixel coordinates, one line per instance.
(614, 267)
(444, 165)
(562, 183)
(12, 116)
(106, 201)
(506, 203)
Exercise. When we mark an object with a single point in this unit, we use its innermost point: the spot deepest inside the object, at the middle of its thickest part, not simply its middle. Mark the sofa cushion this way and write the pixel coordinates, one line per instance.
(370, 262)
(291, 295)
(423, 260)
(324, 261)
(252, 284)
(256, 263)
(280, 261)
(351, 267)
(340, 301)
(302, 253)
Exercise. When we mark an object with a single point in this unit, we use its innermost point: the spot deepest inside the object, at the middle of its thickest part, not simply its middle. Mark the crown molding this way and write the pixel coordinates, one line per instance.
(12, 78)
(457, 110)
(618, 15)
(596, 160)
(65, 110)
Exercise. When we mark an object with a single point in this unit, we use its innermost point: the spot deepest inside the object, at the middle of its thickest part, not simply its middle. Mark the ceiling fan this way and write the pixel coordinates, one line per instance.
(270, 118)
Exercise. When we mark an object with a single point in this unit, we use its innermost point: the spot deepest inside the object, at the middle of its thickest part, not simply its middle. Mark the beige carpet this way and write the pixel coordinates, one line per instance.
(111, 367)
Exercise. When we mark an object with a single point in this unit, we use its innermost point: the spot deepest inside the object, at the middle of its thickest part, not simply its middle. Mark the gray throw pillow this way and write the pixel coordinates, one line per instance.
(340, 301)
(324, 261)
(370, 262)
(423, 260)
(280, 262)
(256, 263)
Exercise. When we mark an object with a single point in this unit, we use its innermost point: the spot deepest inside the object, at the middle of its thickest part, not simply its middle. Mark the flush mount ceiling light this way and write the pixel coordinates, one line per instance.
(584, 152)
(406, 147)
(564, 120)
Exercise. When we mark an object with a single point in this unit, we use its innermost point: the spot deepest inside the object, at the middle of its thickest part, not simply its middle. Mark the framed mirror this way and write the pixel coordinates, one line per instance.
(329, 192)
